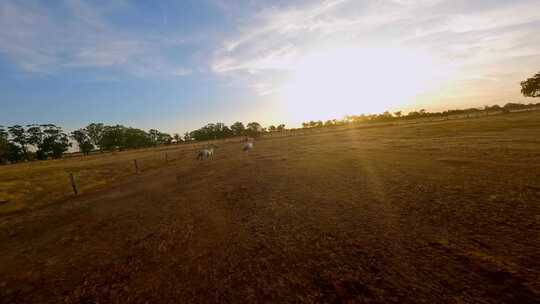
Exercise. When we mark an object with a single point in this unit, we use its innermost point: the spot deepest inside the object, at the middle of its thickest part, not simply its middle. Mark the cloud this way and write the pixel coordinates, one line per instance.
(467, 35)
(182, 72)
(40, 39)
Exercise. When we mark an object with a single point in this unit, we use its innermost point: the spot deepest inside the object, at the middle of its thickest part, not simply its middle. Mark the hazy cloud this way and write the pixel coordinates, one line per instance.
(467, 35)
(38, 39)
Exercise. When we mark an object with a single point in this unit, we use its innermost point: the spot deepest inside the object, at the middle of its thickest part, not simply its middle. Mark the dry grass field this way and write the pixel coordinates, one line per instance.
(441, 212)
(34, 184)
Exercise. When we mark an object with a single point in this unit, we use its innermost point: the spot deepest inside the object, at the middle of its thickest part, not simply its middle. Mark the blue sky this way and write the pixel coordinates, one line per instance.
(176, 65)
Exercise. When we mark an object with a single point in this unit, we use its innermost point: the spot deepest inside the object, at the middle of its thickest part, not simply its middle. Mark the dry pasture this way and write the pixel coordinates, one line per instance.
(442, 212)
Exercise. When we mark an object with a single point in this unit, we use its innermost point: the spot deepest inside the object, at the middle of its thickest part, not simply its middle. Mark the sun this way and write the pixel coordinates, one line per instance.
(334, 83)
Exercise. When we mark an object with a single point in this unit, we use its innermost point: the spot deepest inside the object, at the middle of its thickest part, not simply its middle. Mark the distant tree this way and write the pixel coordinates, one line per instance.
(34, 137)
(531, 86)
(238, 128)
(111, 137)
(281, 127)
(254, 129)
(4, 145)
(3, 133)
(177, 138)
(413, 114)
(305, 125)
(83, 140)
(55, 141)
(164, 138)
(513, 106)
(20, 137)
(187, 137)
(95, 133)
(328, 123)
(272, 128)
(397, 114)
(14, 153)
(154, 136)
(133, 138)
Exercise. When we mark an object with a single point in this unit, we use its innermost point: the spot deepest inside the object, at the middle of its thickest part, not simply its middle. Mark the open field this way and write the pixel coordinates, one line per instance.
(442, 212)
(34, 184)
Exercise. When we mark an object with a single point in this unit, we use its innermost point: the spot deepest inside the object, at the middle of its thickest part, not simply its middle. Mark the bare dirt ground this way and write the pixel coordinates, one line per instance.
(434, 213)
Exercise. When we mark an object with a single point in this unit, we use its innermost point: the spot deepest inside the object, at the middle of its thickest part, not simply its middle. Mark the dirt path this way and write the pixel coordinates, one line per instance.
(311, 220)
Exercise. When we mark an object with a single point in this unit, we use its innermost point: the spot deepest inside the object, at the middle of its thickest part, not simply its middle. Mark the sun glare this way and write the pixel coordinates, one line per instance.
(335, 83)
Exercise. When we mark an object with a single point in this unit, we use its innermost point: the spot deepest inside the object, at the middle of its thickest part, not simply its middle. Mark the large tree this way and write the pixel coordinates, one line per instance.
(238, 128)
(177, 138)
(55, 142)
(20, 137)
(135, 138)
(14, 153)
(254, 129)
(531, 86)
(95, 133)
(4, 144)
(83, 140)
(112, 138)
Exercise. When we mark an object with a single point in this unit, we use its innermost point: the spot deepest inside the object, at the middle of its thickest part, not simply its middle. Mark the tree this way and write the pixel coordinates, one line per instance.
(531, 86)
(111, 137)
(4, 145)
(177, 138)
(14, 153)
(305, 125)
(254, 129)
(187, 137)
(154, 136)
(48, 139)
(281, 127)
(83, 140)
(35, 136)
(238, 128)
(164, 138)
(272, 128)
(95, 133)
(55, 141)
(397, 114)
(133, 138)
(19, 136)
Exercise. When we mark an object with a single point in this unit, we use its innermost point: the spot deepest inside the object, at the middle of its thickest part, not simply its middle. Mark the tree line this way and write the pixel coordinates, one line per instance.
(46, 141)
(398, 115)
(40, 142)
(220, 130)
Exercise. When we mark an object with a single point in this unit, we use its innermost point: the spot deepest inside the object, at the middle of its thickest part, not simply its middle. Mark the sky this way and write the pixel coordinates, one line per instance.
(177, 65)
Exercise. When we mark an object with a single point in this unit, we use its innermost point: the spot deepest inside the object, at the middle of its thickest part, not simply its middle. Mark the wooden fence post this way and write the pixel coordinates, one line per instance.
(136, 166)
(73, 184)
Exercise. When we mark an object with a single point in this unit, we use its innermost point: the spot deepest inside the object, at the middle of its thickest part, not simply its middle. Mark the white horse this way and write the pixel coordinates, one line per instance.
(248, 146)
(206, 153)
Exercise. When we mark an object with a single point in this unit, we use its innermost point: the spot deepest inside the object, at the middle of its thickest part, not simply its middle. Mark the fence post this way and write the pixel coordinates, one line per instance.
(73, 184)
(166, 158)
(136, 166)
